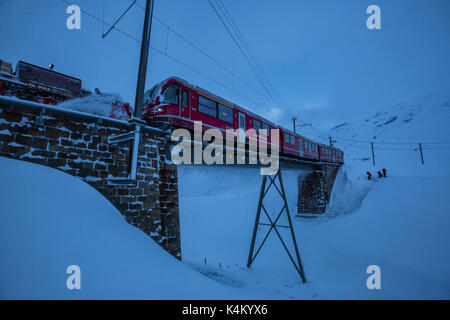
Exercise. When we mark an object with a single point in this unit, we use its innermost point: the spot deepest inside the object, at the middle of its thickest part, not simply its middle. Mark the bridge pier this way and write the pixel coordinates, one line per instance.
(314, 190)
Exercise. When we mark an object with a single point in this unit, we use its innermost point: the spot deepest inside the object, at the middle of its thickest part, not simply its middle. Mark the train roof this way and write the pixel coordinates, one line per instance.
(45, 69)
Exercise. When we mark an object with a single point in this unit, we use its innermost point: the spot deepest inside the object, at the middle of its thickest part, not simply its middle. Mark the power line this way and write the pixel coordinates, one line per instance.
(103, 22)
(168, 56)
(391, 143)
(242, 44)
(240, 49)
(201, 73)
(320, 135)
(203, 52)
(121, 16)
(249, 51)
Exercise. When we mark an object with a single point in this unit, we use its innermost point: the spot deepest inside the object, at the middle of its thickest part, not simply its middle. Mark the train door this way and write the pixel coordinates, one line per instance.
(300, 147)
(241, 121)
(185, 109)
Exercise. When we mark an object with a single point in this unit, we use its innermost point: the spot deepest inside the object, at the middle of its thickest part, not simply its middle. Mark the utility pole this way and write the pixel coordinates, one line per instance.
(293, 120)
(373, 154)
(331, 141)
(421, 154)
(145, 46)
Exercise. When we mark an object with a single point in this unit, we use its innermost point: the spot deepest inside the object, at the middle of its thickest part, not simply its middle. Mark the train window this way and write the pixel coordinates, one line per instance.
(266, 127)
(292, 140)
(170, 94)
(149, 96)
(185, 100)
(241, 121)
(207, 106)
(287, 138)
(225, 113)
(256, 125)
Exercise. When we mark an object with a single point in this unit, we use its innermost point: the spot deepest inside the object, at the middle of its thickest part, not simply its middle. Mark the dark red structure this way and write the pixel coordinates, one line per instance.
(46, 86)
(176, 103)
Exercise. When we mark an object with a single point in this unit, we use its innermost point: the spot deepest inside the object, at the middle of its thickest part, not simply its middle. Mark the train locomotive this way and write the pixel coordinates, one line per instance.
(176, 103)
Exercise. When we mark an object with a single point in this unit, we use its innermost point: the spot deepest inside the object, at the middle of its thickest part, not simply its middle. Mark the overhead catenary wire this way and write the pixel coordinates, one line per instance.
(245, 50)
(103, 22)
(250, 52)
(167, 55)
(319, 134)
(180, 62)
(120, 18)
(204, 53)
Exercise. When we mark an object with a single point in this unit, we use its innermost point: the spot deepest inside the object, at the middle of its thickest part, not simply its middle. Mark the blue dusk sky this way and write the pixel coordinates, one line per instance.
(327, 66)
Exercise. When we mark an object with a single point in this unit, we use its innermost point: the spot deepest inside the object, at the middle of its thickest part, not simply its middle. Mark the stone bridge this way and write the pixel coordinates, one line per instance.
(78, 144)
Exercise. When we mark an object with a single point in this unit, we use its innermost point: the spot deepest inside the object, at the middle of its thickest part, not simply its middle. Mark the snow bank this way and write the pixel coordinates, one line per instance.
(50, 220)
(100, 105)
(399, 223)
(347, 195)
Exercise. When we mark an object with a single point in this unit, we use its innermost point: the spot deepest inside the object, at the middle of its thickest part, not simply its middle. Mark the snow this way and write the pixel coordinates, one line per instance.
(100, 105)
(50, 220)
(400, 223)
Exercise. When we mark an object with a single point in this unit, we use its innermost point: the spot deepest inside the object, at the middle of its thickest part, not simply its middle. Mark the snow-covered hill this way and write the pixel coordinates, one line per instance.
(50, 220)
(396, 132)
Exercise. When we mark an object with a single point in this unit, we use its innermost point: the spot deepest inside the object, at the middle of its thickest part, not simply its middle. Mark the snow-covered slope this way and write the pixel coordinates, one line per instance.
(401, 223)
(50, 220)
(396, 132)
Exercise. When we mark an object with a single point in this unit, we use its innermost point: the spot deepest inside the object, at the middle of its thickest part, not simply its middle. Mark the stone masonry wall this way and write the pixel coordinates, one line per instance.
(314, 190)
(80, 147)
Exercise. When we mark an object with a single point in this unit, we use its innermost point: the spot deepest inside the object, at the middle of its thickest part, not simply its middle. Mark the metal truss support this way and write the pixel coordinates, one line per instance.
(273, 224)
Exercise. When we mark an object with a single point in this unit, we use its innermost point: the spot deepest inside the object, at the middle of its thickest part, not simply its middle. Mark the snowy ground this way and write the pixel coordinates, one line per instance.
(50, 220)
(401, 223)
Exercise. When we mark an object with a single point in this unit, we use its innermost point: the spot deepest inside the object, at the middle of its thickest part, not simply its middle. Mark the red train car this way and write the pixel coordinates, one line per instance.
(310, 149)
(174, 102)
(339, 155)
(290, 143)
(327, 153)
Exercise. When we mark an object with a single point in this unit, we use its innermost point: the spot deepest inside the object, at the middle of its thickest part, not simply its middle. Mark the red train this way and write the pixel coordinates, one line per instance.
(176, 103)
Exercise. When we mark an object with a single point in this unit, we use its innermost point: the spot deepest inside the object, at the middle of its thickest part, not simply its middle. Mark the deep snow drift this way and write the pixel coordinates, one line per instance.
(105, 105)
(401, 223)
(50, 220)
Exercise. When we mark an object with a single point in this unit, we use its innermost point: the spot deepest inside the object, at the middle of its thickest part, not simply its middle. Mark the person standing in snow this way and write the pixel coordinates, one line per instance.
(380, 175)
(384, 172)
(369, 175)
